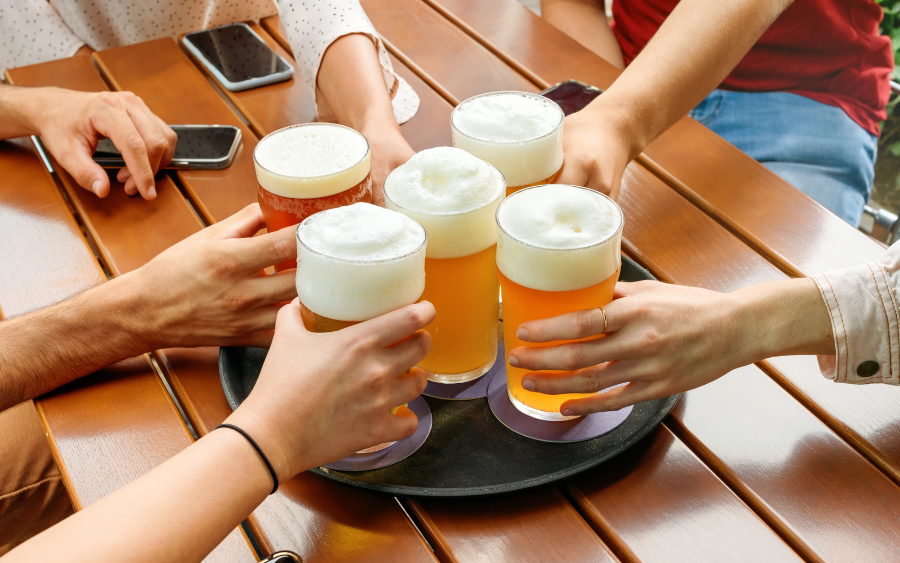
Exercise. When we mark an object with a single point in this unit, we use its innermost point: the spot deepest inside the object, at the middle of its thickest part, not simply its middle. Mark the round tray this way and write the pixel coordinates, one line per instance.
(469, 452)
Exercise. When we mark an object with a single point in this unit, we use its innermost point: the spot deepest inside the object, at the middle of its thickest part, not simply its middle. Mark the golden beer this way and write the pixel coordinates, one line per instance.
(307, 168)
(558, 251)
(355, 263)
(518, 132)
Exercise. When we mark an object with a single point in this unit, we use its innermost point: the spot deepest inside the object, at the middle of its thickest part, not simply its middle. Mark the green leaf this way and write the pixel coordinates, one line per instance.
(894, 148)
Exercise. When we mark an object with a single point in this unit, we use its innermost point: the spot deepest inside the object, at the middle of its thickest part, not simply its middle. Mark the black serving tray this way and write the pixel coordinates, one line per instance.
(469, 452)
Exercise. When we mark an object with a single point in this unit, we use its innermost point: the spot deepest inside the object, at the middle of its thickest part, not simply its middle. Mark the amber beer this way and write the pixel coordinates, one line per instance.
(454, 196)
(355, 263)
(304, 169)
(558, 251)
(518, 132)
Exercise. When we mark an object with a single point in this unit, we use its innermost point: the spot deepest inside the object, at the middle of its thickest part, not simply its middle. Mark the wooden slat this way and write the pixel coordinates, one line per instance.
(658, 502)
(109, 428)
(172, 87)
(319, 519)
(804, 239)
(128, 230)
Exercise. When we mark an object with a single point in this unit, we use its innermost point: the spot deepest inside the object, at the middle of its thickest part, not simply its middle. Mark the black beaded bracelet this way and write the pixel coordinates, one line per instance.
(258, 450)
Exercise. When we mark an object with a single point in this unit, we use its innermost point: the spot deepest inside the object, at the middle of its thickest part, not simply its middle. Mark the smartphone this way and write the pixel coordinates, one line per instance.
(199, 146)
(237, 57)
(572, 95)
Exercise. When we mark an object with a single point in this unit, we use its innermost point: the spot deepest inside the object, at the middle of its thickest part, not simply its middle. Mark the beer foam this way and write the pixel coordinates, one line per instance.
(518, 132)
(311, 160)
(559, 238)
(359, 261)
(453, 194)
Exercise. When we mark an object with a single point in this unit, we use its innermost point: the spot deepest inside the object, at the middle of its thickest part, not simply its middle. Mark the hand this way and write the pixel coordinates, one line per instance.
(323, 396)
(209, 289)
(389, 150)
(661, 339)
(72, 123)
(595, 154)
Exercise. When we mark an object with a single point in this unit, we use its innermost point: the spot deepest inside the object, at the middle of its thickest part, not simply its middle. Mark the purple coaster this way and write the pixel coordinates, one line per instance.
(575, 430)
(475, 389)
(396, 452)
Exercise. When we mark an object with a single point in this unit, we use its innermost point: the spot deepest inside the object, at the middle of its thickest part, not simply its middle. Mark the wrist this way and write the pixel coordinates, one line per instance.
(618, 122)
(21, 110)
(266, 437)
(131, 316)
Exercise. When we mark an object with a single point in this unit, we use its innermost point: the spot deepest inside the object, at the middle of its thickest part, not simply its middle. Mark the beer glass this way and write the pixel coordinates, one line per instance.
(518, 132)
(304, 169)
(355, 263)
(558, 251)
(455, 195)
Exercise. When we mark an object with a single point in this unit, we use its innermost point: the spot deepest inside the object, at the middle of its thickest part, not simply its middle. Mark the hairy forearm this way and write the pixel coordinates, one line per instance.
(180, 511)
(45, 349)
(782, 318)
(694, 50)
(18, 107)
(585, 21)
(352, 83)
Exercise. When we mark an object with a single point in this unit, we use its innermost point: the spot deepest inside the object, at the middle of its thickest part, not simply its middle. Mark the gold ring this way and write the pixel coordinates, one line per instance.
(605, 320)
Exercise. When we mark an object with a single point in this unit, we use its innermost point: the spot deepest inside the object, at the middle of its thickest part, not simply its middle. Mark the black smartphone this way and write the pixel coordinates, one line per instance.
(572, 95)
(198, 146)
(237, 57)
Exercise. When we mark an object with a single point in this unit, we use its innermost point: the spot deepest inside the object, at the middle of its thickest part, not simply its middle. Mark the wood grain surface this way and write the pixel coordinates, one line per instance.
(172, 87)
(730, 186)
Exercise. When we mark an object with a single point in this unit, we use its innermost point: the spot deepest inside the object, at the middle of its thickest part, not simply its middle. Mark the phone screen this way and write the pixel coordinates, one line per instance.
(237, 53)
(571, 95)
(194, 143)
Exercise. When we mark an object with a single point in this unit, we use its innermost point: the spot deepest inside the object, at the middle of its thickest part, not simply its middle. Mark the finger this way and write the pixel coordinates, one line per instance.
(396, 325)
(243, 224)
(408, 387)
(131, 188)
(256, 253)
(398, 426)
(588, 380)
(572, 174)
(171, 139)
(408, 352)
(78, 162)
(148, 127)
(123, 175)
(570, 326)
(268, 289)
(614, 399)
(117, 125)
(257, 339)
(290, 314)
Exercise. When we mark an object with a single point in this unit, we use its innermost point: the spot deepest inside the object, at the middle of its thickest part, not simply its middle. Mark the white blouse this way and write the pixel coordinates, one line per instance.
(35, 31)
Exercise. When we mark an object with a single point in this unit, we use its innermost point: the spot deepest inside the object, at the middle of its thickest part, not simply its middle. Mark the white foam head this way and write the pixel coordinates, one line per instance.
(453, 194)
(359, 261)
(559, 238)
(311, 160)
(518, 132)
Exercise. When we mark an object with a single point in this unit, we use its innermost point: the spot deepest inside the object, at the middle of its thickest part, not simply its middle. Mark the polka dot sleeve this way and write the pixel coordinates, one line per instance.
(32, 32)
(313, 25)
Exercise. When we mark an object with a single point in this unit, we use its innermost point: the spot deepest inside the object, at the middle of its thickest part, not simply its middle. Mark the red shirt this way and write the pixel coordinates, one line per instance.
(827, 50)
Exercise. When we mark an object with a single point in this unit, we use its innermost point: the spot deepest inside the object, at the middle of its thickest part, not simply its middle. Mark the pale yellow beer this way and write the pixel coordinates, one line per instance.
(518, 132)
(455, 196)
(558, 251)
(355, 263)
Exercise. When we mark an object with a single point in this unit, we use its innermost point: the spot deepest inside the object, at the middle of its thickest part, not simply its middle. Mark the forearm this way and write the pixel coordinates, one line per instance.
(781, 318)
(352, 82)
(180, 511)
(19, 108)
(694, 50)
(43, 350)
(585, 21)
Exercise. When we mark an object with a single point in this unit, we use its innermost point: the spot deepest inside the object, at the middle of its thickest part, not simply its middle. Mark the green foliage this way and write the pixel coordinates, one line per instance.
(890, 26)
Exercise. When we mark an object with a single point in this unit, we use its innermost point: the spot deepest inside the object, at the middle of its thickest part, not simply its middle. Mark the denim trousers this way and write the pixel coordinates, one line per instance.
(814, 146)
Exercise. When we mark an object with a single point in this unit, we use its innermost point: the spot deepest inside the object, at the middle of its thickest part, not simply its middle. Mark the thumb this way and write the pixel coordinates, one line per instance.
(572, 173)
(78, 163)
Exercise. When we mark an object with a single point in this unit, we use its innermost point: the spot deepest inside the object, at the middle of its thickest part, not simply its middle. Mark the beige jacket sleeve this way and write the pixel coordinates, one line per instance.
(863, 304)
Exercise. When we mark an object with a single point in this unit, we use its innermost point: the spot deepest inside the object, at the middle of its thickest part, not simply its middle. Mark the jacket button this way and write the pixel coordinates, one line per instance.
(867, 368)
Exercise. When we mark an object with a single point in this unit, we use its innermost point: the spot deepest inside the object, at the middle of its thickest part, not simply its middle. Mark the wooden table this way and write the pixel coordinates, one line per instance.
(770, 463)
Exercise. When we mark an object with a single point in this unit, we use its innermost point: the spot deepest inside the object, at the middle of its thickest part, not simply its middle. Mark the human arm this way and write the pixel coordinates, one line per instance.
(319, 398)
(206, 290)
(585, 21)
(71, 124)
(664, 339)
(341, 56)
(693, 51)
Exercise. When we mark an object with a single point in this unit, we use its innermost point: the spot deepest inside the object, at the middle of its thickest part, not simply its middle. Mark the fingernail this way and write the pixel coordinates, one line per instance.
(568, 412)
(528, 384)
(522, 333)
(95, 187)
(513, 361)
(151, 193)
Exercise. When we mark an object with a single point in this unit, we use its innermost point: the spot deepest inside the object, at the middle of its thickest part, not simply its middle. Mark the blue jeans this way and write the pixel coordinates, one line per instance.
(814, 146)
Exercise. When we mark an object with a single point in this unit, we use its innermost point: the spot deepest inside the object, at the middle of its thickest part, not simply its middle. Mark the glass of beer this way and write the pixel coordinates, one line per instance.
(455, 196)
(518, 132)
(304, 169)
(558, 251)
(355, 263)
